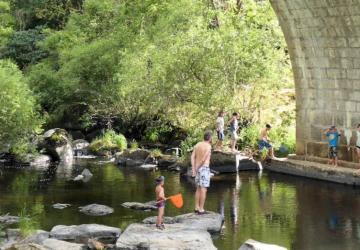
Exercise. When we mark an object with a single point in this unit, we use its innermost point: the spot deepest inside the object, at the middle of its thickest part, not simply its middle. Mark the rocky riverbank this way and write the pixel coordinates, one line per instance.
(188, 231)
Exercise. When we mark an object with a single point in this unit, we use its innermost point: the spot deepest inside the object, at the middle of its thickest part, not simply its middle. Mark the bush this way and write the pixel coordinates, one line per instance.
(249, 136)
(134, 145)
(23, 48)
(19, 119)
(156, 153)
(110, 141)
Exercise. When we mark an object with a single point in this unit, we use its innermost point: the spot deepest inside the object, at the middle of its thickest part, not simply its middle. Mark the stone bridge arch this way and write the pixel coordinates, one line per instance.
(323, 37)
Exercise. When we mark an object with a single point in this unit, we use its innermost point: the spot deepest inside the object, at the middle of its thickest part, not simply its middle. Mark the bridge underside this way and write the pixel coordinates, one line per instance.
(323, 37)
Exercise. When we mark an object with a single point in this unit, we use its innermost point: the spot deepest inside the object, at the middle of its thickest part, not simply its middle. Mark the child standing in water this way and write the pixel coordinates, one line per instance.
(160, 202)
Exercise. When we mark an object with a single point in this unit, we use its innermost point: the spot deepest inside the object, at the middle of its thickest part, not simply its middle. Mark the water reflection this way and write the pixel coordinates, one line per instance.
(293, 212)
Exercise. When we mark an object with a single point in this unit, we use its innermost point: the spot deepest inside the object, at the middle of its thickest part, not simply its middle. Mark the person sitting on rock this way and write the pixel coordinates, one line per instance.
(264, 141)
(333, 137)
(160, 202)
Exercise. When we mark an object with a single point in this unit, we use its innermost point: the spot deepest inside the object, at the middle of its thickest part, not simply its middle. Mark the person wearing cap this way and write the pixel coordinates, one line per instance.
(264, 141)
(200, 163)
(333, 135)
(160, 202)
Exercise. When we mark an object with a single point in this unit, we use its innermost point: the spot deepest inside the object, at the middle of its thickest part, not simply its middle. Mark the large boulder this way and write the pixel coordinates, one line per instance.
(211, 222)
(58, 145)
(255, 245)
(138, 154)
(55, 244)
(227, 162)
(82, 233)
(96, 210)
(175, 236)
(148, 206)
(165, 161)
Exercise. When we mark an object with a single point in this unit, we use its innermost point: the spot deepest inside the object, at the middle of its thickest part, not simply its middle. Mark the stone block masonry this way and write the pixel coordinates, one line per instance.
(323, 37)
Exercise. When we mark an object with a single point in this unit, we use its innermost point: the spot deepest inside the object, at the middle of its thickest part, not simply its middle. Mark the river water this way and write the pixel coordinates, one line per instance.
(293, 212)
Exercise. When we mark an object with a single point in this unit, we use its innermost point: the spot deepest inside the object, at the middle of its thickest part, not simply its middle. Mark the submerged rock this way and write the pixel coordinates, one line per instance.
(80, 147)
(60, 205)
(151, 205)
(96, 210)
(148, 166)
(41, 161)
(175, 236)
(55, 244)
(255, 245)
(85, 176)
(82, 233)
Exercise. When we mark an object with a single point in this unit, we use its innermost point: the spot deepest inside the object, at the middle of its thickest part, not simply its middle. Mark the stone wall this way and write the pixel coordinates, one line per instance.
(323, 38)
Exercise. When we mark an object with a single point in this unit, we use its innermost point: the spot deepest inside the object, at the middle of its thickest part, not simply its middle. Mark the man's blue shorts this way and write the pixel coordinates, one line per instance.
(264, 144)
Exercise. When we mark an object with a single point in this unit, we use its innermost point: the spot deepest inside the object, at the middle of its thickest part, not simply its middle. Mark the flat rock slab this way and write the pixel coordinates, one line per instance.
(28, 246)
(54, 244)
(174, 237)
(148, 206)
(8, 219)
(96, 210)
(255, 245)
(316, 171)
(84, 232)
(211, 222)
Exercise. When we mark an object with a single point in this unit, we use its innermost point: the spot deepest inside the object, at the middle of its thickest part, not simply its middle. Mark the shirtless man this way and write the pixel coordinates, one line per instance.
(200, 163)
(264, 141)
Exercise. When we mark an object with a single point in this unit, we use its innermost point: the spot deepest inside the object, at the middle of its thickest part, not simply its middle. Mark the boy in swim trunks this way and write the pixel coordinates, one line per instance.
(160, 202)
(333, 137)
(200, 163)
(264, 141)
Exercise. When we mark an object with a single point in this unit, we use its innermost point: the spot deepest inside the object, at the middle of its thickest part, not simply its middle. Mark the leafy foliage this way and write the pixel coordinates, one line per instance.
(22, 47)
(18, 113)
(110, 141)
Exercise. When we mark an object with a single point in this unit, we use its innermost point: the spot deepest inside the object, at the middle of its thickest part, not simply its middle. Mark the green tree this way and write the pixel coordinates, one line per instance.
(18, 113)
(23, 47)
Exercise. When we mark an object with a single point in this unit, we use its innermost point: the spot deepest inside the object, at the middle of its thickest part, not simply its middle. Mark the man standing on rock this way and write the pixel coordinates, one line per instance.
(200, 163)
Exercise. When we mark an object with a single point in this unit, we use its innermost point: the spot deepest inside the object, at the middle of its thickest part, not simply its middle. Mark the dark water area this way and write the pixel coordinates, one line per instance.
(296, 213)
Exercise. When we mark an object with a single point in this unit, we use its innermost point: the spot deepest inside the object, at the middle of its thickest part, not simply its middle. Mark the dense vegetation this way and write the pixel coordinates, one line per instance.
(149, 69)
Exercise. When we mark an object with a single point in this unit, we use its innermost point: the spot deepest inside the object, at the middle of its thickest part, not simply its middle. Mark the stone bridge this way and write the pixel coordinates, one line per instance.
(323, 37)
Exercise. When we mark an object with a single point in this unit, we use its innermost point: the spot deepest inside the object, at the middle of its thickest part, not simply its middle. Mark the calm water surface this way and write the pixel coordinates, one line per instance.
(293, 212)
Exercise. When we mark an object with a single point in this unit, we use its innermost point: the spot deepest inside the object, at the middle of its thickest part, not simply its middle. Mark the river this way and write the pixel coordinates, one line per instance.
(297, 213)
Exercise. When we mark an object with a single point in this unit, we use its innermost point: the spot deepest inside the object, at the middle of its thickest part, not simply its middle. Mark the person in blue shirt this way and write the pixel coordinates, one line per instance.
(333, 135)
